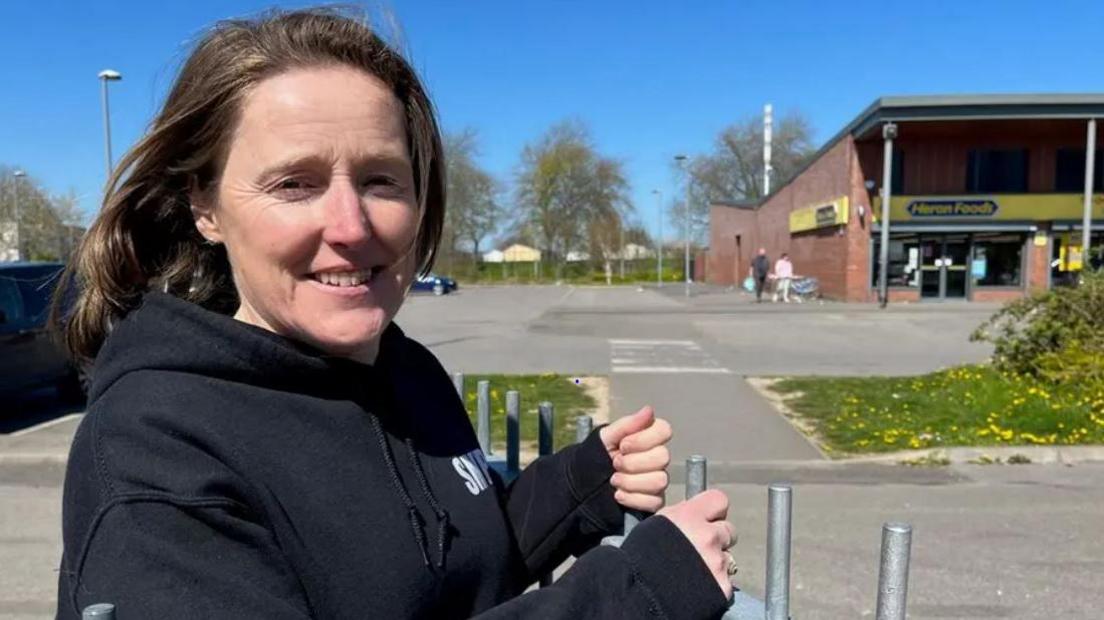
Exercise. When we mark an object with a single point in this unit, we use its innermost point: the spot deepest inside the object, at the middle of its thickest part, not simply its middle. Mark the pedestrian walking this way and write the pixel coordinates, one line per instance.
(261, 439)
(783, 276)
(759, 270)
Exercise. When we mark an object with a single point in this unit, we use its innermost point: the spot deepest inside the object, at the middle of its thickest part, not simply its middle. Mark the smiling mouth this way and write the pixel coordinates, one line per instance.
(346, 279)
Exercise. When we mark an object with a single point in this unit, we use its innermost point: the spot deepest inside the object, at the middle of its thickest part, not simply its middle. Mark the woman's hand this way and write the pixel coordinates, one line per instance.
(637, 444)
(702, 520)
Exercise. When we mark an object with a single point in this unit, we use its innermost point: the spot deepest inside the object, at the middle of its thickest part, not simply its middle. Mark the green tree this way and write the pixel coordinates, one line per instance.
(734, 169)
(569, 197)
(473, 210)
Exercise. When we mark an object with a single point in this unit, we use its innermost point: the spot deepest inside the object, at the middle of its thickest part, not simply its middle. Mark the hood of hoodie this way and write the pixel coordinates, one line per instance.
(171, 334)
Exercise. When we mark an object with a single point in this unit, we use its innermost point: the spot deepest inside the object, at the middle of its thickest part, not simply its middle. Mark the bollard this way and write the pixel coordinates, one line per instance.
(483, 415)
(584, 424)
(99, 611)
(458, 383)
(779, 514)
(544, 447)
(696, 481)
(513, 432)
(893, 573)
(544, 434)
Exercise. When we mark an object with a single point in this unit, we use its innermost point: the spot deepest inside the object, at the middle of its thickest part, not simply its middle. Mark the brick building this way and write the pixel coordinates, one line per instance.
(986, 201)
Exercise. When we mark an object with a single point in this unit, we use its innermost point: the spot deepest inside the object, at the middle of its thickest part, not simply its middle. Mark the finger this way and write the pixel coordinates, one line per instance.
(638, 501)
(655, 459)
(658, 434)
(726, 534)
(653, 483)
(712, 503)
(731, 538)
(623, 427)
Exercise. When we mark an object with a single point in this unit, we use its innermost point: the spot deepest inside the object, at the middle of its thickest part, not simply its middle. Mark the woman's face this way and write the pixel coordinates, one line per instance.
(316, 209)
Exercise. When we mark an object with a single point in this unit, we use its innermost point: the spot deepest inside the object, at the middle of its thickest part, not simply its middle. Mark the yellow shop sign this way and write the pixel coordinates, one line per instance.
(1022, 207)
(820, 215)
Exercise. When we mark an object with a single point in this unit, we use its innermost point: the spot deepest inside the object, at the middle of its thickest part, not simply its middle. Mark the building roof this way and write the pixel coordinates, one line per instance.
(975, 107)
(952, 108)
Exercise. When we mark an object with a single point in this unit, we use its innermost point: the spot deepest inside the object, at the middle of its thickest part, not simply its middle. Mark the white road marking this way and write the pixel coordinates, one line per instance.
(671, 370)
(661, 357)
(653, 343)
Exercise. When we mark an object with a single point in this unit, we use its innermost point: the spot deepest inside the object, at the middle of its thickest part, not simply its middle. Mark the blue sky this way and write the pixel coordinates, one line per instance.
(651, 79)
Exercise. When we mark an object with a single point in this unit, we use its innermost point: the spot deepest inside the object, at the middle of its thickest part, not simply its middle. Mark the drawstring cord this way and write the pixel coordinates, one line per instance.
(411, 510)
(442, 514)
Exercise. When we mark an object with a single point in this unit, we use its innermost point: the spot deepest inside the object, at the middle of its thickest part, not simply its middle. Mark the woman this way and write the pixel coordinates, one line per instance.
(262, 441)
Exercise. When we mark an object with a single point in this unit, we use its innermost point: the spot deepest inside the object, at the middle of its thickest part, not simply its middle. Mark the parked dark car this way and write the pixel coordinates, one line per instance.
(30, 357)
(439, 285)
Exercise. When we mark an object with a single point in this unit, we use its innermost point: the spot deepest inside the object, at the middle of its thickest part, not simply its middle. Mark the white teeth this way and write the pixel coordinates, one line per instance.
(345, 278)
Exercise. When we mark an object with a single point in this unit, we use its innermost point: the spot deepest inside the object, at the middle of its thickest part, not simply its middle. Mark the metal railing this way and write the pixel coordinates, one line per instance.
(896, 537)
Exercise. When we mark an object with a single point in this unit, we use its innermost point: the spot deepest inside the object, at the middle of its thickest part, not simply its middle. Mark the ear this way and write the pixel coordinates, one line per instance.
(202, 205)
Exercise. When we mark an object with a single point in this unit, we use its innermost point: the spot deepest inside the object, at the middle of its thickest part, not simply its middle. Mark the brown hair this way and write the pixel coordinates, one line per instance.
(145, 237)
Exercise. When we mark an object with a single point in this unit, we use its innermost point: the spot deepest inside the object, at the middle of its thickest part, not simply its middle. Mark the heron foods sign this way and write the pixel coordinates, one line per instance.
(820, 215)
(1021, 207)
(952, 208)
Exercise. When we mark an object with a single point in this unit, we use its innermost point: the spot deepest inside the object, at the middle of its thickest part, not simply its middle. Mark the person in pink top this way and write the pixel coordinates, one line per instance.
(783, 273)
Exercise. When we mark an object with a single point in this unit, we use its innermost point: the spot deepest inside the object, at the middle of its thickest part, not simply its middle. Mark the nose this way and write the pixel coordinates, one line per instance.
(346, 220)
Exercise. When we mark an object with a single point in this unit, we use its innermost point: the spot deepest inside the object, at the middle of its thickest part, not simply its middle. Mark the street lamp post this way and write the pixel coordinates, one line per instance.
(107, 75)
(621, 251)
(659, 238)
(18, 174)
(681, 159)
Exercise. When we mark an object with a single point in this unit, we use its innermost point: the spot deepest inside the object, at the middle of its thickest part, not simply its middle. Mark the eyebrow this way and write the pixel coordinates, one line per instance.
(310, 160)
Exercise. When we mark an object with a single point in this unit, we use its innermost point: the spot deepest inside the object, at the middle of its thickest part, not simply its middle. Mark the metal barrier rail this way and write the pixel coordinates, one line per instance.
(896, 537)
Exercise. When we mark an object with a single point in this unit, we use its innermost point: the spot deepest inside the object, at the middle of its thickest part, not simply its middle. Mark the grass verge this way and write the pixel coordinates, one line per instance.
(964, 406)
(569, 398)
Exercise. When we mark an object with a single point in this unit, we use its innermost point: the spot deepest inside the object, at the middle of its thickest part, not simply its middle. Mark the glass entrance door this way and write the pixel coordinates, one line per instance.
(943, 266)
(956, 254)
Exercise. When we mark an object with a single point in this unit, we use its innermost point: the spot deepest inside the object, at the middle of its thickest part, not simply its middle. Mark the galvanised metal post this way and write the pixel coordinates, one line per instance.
(458, 383)
(584, 424)
(889, 133)
(659, 238)
(779, 516)
(99, 611)
(1086, 221)
(483, 415)
(513, 431)
(16, 178)
(544, 434)
(696, 481)
(893, 573)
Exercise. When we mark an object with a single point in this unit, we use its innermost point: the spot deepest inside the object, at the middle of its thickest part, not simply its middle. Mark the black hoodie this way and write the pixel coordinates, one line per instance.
(223, 471)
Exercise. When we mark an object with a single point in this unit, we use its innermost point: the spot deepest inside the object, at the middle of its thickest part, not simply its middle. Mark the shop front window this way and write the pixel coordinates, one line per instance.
(997, 260)
(1066, 263)
(904, 261)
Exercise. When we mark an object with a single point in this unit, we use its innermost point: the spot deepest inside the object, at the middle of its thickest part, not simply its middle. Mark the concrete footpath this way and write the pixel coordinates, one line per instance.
(716, 415)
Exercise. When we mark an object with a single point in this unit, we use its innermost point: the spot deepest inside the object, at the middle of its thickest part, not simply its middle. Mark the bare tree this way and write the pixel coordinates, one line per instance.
(734, 170)
(47, 225)
(568, 195)
(473, 210)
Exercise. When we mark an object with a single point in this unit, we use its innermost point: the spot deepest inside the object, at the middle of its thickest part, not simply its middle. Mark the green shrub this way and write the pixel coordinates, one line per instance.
(1056, 336)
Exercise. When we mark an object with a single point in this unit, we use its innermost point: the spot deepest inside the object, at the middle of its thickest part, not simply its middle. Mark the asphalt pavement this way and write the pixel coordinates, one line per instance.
(989, 542)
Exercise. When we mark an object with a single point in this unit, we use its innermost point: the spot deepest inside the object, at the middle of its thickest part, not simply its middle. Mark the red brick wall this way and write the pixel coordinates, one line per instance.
(723, 265)
(1001, 295)
(821, 253)
(1038, 265)
(901, 295)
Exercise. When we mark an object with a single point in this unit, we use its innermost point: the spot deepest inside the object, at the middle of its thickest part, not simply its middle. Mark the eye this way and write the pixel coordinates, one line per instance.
(293, 188)
(382, 184)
